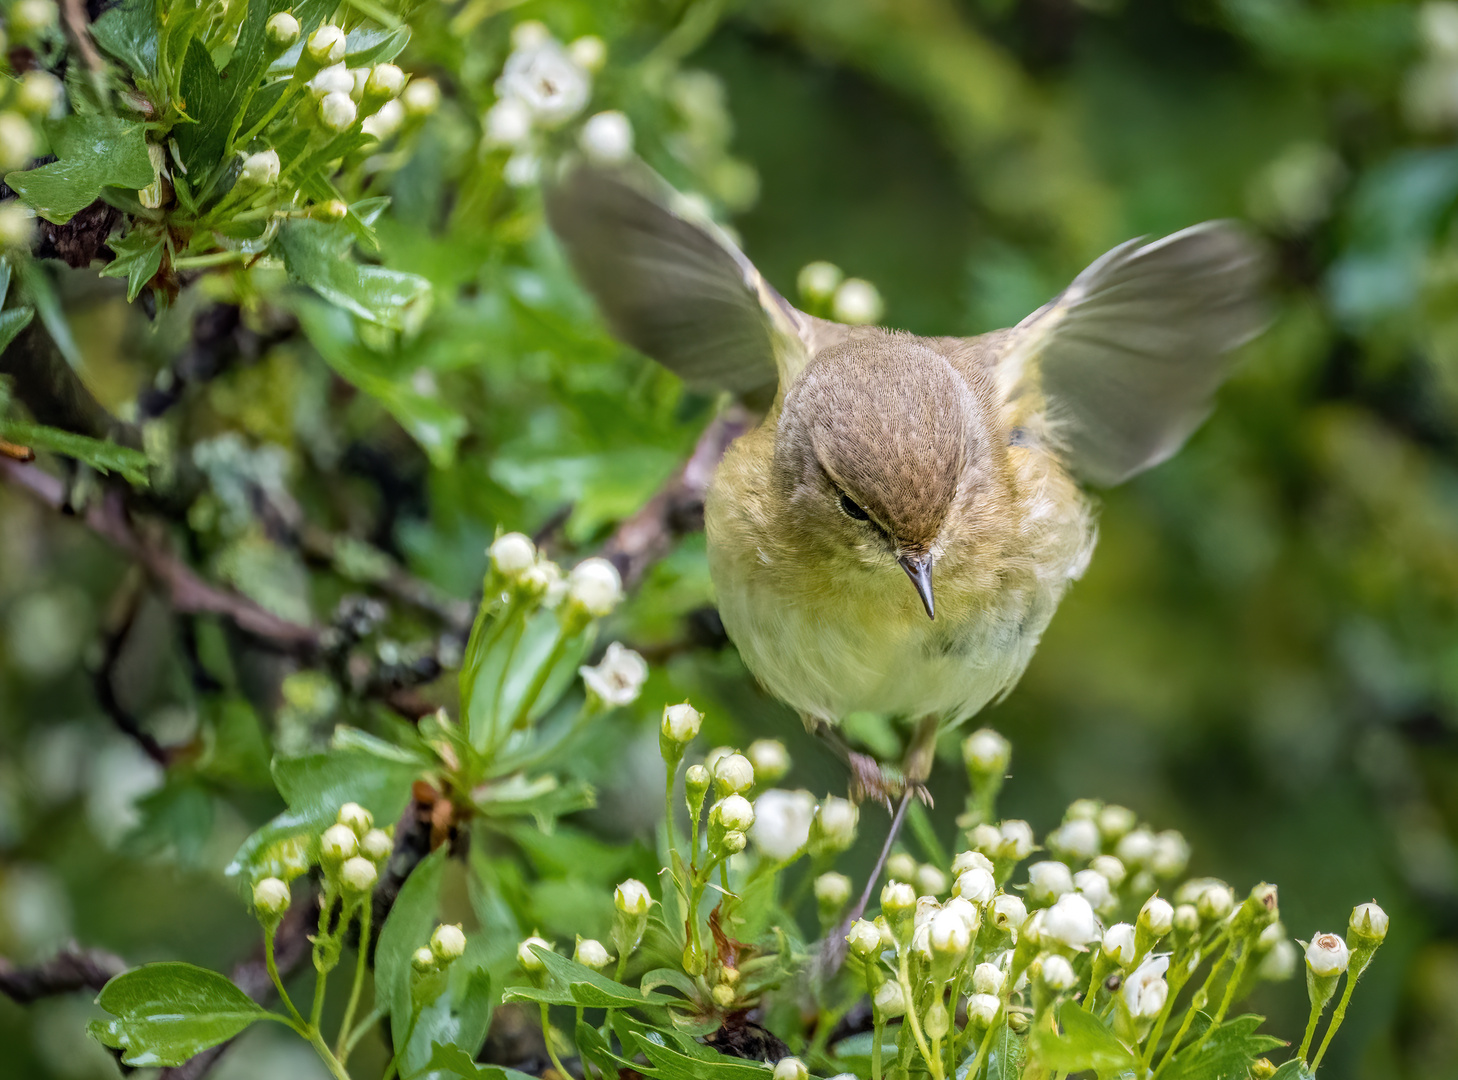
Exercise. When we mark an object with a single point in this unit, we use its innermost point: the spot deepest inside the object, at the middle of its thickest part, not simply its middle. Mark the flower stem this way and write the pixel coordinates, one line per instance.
(1336, 1020)
(272, 964)
(539, 681)
(365, 923)
(547, 1040)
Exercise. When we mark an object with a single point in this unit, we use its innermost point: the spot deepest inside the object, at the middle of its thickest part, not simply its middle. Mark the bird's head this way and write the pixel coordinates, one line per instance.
(876, 441)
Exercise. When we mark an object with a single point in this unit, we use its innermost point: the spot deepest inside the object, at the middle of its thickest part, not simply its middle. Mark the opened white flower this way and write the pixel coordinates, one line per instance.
(618, 679)
(1145, 991)
(547, 81)
(782, 822)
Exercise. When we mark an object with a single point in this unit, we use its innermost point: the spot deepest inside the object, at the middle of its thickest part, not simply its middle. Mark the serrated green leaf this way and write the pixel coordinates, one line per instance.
(407, 928)
(1225, 1053)
(205, 100)
(1084, 1044)
(571, 983)
(166, 1013)
(457, 1018)
(128, 34)
(106, 457)
(318, 255)
(455, 1062)
(673, 1064)
(1006, 1056)
(138, 256)
(12, 322)
(95, 152)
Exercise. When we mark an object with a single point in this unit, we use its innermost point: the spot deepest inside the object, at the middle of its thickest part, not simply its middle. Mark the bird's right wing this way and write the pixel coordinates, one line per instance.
(676, 290)
(1124, 362)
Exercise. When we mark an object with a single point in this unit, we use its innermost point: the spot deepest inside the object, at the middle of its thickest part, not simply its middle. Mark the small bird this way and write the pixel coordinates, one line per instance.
(896, 534)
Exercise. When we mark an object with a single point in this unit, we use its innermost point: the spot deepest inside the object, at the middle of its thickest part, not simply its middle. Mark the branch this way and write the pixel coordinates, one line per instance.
(119, 622)
(71, 969)
(678, 506)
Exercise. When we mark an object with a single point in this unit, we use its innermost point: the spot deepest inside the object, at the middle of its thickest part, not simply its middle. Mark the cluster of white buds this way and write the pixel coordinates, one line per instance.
(352, 850)
(618, 677)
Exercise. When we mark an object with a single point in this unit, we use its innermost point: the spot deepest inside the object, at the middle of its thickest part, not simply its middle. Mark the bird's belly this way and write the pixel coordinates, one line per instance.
(829, 656)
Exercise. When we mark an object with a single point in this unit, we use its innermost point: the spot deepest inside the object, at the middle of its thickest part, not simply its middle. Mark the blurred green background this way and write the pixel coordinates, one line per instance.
(1264, 653)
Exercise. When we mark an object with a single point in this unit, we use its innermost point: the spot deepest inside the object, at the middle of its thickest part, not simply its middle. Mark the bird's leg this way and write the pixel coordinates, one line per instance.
(870, 781)
(917, 768)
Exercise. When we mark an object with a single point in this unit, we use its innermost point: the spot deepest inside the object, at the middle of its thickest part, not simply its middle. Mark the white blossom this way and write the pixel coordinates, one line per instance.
(1136, 848)
(1057, 973)
(818, 281)
(1279, 963)
(1017, 840)
(632, 898)
(790, 1068)
(976, 885)
(1115, 821)
(769, 758)
(358, 874)
(1368, 922)
(17, 141)
(384, 121)
(897, 898)
(384, 81)
(1145, 991)
(1110, 867)
(832, 890)
(733, 774)
(1094, 888)
(421, 97)
(890, 999)
(282, 30)
(448, 942)
(588, 52)
(970, 860)
(618, 678)
(591, 953)
(1008, 912)
(376, 845)
(987, 978)
(260, 169)
(1157, 916)
(1048, 880)
(1171, 854)
(338, 843)
(529, 961)
(982, 1009)
(39, 93)
(545, 78)
(930, 881)
(335, 79)
(863, 938)
(733, 813)
(1078, 839)
(337, 111)
(782, 822)
(271, 897)
(17, 226)
(326, 45)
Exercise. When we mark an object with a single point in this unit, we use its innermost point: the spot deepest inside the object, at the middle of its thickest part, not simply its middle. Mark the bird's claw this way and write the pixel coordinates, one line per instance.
(870, 781)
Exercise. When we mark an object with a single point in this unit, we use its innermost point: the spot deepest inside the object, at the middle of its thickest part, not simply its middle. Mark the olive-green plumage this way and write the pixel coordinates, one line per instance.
(886, 456)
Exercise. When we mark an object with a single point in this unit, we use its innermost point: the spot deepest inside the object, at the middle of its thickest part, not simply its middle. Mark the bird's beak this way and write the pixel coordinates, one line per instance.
(918, 568)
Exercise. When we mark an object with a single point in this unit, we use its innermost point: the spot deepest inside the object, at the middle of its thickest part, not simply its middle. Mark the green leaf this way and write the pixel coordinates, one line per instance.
(13, 322)
(593, 1048)
(362, 47)
(128, 34)
(177, 818)
(38, 288)
(544, 798)
(206, 100)
(106, 457)
(167, 1013)
(1295, 1069)
(1006, 1056)
(454, 1061)
(1084, 1044)
(1225, 1054)
(138, 256)
(571, 983)
(458, 1018)
(95, 152)
(673, 1064)
(317, 254)
(407, 928)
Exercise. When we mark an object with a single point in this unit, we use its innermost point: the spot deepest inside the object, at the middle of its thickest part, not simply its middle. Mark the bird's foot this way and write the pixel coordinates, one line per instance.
(873, 782)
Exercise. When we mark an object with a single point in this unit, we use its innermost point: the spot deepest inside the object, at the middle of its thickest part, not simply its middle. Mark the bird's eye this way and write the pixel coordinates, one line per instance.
(853, 509)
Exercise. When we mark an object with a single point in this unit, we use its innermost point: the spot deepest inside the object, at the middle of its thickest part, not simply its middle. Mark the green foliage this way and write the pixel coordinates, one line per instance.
(166, 1013)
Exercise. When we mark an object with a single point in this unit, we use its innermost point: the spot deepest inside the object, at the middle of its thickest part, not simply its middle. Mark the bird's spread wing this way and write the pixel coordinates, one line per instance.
(674, 289)
(1125, 360)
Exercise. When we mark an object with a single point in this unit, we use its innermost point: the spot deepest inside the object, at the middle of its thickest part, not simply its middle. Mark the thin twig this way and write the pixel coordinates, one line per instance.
(71, 969)
(120, 619)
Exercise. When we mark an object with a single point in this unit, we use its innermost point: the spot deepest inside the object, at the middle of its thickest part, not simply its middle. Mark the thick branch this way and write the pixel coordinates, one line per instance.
(678, 507)
(69, 970)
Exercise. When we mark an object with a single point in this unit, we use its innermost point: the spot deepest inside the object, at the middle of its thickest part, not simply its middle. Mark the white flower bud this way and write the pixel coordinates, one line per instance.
(591, 953)
(596, 586)
(1368, 925)
(632, 898)
(17, 226)
(1116, 821)
(1136, 848)
(1327, 955)
(857, 302)
(949, 934)
(1048, 880)
(508, 123)
(832, 890)
(732, 813)
(421, 97)
(338, 843)
(1118, 944)
(1057, 973)
(819, 280)
(970, 860)
(1110, 867)
(39, 93)
(1077, 839)
(890, 999)
(1008, 913)
(1186, 919)
(982, 1008)
(1279, 964)
(969, 912)
(331, 210)
(331, 80)
(782, 822)
(864, 938)
(930, 881)
(337, 112)
(1083, 810)
(448, 942)
(681, 723)
(259, 170)
(733, 842)
(358, 875)
(271, 897)
(522, 169)
(422, 959)
(607, 137)
(986, 839)
(901, 867)
(528, 960)
(588, 52)
(512, 555)
(384, 81)
(1071, 922)
(897, 898)
(1145, 991)
(976, 885)
(376, 845)
(1171, 854)
(1270, 936)
(282, 30)
(1094, 888)
(326, 45)
(359, 820)
(770, 760)
(791, 1068)
(530, 34)
(987, 979)
(1157, 916)
(31, 17)
(733, 774)
(985, 751)
(619, 678)
(1017, 840)
(1215, 903)
(17, 141)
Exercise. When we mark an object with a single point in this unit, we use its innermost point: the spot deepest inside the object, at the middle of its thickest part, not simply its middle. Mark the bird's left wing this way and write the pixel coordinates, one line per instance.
(1123, 363)
(676, 289)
